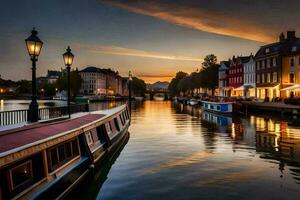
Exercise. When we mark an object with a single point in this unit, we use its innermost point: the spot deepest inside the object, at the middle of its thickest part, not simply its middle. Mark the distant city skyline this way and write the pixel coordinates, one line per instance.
(153, 39)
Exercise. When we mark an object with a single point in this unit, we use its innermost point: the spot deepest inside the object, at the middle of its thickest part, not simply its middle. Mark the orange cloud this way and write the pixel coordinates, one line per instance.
(199, 19)
(114, 50)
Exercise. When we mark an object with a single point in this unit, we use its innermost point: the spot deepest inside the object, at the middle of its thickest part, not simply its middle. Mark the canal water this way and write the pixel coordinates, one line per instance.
(180, 152)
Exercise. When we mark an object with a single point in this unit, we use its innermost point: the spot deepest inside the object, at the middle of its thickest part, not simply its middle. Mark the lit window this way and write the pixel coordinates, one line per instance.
(274, 77)
(268, 77)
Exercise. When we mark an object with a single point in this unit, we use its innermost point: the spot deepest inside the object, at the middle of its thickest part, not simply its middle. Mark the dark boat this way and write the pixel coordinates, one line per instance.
(48, 160)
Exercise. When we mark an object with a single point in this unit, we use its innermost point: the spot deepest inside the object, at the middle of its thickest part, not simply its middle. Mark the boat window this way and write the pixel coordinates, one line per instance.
(218, 107)
(54, 157)
(121, 118)
(75, 148)
(68, 150)
(89, 139)
(101, 131)
(108, 128)
(125, 116)
(62, 153)
(21, 174)
(116, 124)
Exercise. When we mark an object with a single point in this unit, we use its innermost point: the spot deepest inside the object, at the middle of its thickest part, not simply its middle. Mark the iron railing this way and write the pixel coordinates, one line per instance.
(20, 116)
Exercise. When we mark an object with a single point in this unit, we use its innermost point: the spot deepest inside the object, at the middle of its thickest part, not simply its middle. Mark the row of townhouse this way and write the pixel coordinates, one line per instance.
(103, 82)
(273, 73)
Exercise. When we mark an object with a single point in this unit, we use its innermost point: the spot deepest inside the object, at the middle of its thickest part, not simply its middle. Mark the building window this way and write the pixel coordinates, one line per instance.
(267, 50)
(262, 64)
(274, 62)
(262, 78)
(292, 62)
(268, 77)
(274, 77)
(268, 63)
(257, 65)
(292, 77)
(258, 78)
(294, 48)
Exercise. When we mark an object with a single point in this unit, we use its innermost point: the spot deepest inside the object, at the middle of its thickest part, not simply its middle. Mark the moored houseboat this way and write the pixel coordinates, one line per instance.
(48, 160)
(218, 107)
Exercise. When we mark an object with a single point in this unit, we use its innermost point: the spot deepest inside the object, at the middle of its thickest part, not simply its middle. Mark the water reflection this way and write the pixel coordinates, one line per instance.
(274, 139)
(181, 152)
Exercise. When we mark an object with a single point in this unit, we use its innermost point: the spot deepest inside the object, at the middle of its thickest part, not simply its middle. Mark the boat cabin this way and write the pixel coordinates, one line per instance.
(47, 160)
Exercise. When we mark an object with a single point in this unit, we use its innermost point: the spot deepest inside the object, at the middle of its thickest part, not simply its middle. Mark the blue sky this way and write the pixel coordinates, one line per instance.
(153, 39)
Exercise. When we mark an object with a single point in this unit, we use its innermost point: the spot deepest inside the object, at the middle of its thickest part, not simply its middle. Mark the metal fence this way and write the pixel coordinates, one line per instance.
(20, 116)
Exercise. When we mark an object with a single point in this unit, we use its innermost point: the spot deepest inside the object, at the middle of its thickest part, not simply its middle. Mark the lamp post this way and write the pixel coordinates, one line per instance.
(129, 90)
(34, 46)
(68, 60)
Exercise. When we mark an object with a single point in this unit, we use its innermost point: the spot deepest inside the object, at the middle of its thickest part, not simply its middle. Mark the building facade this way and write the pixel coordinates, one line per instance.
(277, 68)
(268, 71)
(102, 82)
(249, 77)
(236, 76)
(224, 90)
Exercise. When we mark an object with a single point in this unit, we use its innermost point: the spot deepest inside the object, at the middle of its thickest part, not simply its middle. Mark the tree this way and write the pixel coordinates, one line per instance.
(174, 84)
(209, 73)
(24, 87)
(46, 89)
(210, 77)
(75, 82)
(138, 86)
(209, 61)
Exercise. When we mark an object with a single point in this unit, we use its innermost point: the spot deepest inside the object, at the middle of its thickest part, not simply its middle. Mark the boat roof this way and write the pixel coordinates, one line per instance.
(21, 138)
(213, 102)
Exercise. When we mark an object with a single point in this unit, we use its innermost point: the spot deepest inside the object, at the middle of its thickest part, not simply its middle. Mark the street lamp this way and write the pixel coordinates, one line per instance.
(68, 60)
(34, 46)
(129, 90)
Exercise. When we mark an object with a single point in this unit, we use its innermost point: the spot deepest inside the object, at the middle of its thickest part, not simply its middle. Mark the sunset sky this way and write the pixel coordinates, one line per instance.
(152, 38)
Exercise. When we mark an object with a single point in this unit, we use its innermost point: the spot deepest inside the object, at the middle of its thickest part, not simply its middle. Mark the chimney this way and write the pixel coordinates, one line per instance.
(281, 37)
(291, 35)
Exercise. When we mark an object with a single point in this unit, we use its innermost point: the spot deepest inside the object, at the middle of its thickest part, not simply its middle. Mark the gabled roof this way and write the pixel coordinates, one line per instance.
(286, 46)
(99, 70)
(224, 65)
(244, 59)
(52, 73)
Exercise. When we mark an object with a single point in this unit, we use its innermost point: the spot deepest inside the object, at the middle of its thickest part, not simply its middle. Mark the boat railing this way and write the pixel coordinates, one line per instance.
(21, 116)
